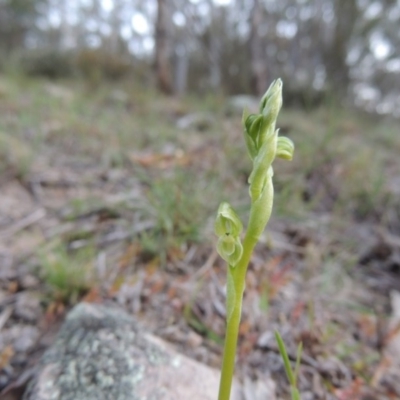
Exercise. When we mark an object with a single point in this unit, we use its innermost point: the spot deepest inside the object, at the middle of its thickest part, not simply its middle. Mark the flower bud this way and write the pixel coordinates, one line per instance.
(271, 102)
(227, 221)
(230, 249)
(228, 228)
(262, 165)
(285, 148)
(250, 123)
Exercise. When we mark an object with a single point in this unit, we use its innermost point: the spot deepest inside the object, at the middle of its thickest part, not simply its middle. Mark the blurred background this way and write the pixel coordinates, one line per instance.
(346, 48)
(120, 134)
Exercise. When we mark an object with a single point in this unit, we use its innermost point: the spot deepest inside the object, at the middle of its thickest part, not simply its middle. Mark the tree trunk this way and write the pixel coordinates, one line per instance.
(335, 59)
(181, 68)
(215, 71)
(162, 52)
(257, 51)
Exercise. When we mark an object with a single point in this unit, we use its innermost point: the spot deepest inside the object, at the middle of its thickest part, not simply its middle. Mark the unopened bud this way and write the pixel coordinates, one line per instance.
(228, 228)
(227, 221)
(271, 102)
(230, 249)
(285, 148)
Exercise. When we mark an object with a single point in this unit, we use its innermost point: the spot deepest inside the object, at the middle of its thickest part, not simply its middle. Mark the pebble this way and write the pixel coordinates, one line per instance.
(27, 339)
(21, 337)
(28, 281)
(27, 307)
(4, 380)
(3, 296)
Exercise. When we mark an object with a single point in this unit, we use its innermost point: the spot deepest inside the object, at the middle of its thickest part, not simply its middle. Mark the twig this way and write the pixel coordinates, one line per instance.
(24, 223)
(205, 267)
(4, 316)
(115, 236)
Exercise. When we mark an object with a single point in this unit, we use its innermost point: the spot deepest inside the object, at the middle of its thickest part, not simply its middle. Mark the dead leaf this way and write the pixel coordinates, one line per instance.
(388, 370)
(93, 296)
(5, 356)
(54, 311)
(352, 392)
(12, 286)
(161, 160)
(129, 255)
(367, 326)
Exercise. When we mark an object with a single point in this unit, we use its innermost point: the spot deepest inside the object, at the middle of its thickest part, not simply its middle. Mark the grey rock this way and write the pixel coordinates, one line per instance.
(197, 121)
(101, 353)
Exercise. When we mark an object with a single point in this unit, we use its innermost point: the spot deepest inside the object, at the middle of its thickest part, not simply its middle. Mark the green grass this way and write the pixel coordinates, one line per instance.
(173, 203)
(340, 165)
(15, 156)
(67, 274)
(335, 150)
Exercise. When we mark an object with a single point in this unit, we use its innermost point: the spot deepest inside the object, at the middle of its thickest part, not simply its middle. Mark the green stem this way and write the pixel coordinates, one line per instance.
(263, 145)
(232, 329)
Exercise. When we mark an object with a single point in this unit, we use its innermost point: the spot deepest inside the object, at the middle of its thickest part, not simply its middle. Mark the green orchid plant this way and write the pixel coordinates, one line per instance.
(263, 144)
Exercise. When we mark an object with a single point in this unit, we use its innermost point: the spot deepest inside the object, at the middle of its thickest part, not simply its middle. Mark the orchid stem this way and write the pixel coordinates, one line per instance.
(232, 329)
(263, 145)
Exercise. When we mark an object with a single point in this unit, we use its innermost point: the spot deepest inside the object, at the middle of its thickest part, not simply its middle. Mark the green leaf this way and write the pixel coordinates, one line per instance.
(285, 358)
(295, 394)
(298, 361)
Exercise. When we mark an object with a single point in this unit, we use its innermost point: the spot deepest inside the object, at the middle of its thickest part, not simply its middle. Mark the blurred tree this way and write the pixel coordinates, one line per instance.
(162, 50)
(335, 54)
(257, 50)
(17, 18)
(235, 47)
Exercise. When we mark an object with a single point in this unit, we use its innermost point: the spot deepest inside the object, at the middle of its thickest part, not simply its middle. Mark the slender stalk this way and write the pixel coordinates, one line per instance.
(263, 145)
(232, 328)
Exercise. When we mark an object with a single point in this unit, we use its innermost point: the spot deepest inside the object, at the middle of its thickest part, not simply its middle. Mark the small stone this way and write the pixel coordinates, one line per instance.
(177, 304)
(27, 307)
(4, 381)
(19, 360)
(27, 338)
(266, 339)
(28, 281)
(198, 121)
(12, 286)
(194, 339)
(3, 296)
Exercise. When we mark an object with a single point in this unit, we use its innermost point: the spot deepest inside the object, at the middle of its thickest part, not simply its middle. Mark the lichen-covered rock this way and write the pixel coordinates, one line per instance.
(101, 354)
